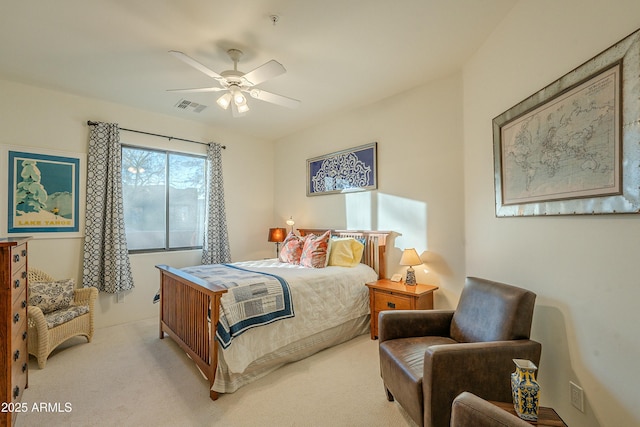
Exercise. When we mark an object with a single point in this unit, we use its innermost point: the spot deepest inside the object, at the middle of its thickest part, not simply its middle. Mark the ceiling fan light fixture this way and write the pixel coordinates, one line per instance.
(238, 97)
(243, 108)
(224, 100)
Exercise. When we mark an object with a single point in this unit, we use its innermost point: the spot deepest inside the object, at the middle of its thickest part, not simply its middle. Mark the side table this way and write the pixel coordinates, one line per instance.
(387, 295)
(547, 417)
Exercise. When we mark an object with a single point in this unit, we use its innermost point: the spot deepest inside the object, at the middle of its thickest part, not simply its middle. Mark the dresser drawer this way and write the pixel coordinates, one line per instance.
(18, 315)
(18, 256)
(19, 369)
(18, 282)
(389, 301)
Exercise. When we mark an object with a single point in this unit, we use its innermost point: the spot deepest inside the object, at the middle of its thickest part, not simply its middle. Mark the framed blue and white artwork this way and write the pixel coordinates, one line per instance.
(43, 192)
(353, 169)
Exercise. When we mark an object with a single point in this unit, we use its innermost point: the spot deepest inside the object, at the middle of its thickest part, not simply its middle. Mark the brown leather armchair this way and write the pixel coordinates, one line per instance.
(428, 357)
(469, 410)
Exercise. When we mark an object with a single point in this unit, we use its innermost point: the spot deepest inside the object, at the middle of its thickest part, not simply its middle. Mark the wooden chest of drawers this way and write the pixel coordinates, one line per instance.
(387, 295)
(14, 358)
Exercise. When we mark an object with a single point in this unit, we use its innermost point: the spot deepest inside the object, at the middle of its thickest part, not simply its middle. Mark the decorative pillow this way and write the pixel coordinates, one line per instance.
(314, 252)
(51, 296)
(291, 249)
(345, 252)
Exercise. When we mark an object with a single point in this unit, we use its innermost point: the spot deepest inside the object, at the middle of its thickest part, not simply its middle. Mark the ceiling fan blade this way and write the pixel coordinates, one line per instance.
(195, 64)
(265, 72)
(273, 98)
(198, 89)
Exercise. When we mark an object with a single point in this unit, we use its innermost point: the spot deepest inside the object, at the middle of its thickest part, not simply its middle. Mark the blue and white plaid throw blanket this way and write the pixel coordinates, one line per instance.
(254, 298)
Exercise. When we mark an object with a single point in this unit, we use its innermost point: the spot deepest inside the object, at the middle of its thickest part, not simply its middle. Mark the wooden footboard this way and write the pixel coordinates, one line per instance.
(185, 304)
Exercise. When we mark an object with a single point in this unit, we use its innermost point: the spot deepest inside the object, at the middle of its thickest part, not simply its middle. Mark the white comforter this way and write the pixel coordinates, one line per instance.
(322, 298)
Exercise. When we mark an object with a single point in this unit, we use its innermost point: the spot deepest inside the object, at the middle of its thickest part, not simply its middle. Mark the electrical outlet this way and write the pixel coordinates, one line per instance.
(577, 396)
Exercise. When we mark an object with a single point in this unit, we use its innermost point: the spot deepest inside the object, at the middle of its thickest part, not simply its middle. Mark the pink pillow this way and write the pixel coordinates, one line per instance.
(291, 249)
(314, 252)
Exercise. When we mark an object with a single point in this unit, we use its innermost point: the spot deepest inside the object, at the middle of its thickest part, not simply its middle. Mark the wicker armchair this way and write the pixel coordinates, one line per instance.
(43, 337)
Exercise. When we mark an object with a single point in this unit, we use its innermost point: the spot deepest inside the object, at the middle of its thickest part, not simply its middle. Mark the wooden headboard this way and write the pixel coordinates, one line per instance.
(375, 245)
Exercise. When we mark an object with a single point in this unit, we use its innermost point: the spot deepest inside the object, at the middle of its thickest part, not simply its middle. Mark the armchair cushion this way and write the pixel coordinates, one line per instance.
(51, 296)
(63, 315)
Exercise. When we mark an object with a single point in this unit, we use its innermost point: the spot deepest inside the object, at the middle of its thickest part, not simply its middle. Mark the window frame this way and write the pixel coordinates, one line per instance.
(166, 152)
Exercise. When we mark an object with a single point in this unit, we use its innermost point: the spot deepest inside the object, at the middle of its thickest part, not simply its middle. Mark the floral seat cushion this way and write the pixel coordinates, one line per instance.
(51, 296)
(61, 316)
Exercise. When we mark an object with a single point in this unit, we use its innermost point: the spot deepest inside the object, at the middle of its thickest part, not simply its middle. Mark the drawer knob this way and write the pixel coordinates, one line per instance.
(16, 318)
(391, 304)
(25, 367)
(24, 274)
(16, 258)
(16, 392)
(24, 335)
(24, 303)
(16, 283)
(16, 355)
(24, 252)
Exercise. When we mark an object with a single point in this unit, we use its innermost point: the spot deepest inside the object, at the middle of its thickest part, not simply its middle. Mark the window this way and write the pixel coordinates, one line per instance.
(164, 196)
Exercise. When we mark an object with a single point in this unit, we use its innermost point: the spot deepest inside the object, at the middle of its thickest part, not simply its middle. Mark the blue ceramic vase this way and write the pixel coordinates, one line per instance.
(525, 390)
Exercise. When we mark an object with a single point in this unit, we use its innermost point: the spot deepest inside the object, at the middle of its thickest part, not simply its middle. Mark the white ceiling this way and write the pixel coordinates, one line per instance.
(339, 54)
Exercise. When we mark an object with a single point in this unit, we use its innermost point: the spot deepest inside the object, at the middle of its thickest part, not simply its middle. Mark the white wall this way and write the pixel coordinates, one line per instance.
(419, 194)
(583, 268)
(39, 118)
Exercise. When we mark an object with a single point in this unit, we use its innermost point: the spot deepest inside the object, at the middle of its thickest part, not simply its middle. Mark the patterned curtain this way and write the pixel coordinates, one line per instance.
(106, 258)
(216, 239)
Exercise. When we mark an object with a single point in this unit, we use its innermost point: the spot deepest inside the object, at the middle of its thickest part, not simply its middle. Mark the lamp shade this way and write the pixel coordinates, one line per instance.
(410, 257)
(224, 100)
(277, 234)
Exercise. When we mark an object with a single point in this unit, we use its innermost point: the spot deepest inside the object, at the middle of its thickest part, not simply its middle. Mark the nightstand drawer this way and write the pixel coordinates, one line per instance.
(388, 301)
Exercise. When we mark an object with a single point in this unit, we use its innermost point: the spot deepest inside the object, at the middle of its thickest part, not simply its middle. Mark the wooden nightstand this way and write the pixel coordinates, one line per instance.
(387, 295)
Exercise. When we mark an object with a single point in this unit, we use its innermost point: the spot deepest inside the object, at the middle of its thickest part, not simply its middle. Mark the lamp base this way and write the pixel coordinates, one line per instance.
(277, 249)
(411, 277)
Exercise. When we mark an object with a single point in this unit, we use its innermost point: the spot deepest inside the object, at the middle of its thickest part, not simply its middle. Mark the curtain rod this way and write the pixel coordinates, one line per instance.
(90, 123)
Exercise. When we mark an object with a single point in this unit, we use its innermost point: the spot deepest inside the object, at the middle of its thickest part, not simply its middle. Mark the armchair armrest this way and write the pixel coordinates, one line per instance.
(471, 410)
(35, 314)
(37, 321)
(85, 296)
(413, 323)
(482, 368)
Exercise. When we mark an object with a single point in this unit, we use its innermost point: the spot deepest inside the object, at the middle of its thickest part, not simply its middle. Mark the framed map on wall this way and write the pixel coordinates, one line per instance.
(567, 148)
(572, 148)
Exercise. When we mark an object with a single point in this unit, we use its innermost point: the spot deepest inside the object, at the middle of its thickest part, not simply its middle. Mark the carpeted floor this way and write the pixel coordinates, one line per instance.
(129, 377)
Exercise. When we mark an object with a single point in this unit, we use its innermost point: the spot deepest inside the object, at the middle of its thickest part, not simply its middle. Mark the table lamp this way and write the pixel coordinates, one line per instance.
(291, 222)
(277, 235)
(410, 257)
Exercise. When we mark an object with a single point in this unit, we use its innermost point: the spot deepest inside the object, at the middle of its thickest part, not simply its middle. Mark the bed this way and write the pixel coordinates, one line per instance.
(328, 305)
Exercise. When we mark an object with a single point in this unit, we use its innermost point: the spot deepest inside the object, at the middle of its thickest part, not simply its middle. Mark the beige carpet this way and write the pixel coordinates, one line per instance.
(129, 377)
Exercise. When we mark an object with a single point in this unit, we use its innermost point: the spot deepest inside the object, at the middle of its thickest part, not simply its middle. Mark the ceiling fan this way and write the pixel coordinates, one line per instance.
(235, 83)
